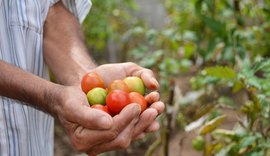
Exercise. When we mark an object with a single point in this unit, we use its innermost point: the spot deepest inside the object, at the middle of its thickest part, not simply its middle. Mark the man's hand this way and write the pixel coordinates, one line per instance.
(96, 132)
(88, 128)
(147, 123)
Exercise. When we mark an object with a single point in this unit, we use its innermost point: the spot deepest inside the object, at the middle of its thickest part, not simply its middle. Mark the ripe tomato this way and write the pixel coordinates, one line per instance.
(91, 80)
(101, 107)
(118, 85)
(138, 98)
(135, 84)
(116, 100)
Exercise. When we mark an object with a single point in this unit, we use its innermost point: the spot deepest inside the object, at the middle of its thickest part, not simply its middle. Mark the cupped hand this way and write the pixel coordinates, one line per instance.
(88, 128)
(147, 122)
(93, 131)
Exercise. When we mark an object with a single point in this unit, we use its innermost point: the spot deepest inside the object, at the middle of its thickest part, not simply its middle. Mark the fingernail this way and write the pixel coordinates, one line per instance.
(105, 122)
(154, 81)
(136, 109)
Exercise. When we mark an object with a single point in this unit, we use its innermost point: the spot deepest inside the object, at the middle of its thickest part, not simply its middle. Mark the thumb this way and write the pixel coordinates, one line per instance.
(92, 118)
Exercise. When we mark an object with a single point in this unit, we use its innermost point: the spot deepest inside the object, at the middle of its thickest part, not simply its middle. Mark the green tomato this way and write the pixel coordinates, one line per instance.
(97, 96)
(198, 143)
(135, 84)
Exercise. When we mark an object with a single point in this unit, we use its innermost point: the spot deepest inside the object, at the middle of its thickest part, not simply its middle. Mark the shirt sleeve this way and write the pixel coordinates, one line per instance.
(80, 8)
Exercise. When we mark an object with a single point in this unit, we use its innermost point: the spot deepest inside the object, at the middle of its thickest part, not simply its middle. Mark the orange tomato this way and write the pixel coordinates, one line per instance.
(101, 107)
(91, 80)
(139, 99)
(118, 85)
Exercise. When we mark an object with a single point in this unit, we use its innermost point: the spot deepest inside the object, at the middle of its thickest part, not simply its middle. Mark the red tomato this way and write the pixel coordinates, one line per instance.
(91, 80)
(118, 85)
(138, 98)
(101, 107)
(116, 100)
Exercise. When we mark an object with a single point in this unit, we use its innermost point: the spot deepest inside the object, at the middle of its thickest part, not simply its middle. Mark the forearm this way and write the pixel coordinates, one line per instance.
(18, 84)
(64, 48)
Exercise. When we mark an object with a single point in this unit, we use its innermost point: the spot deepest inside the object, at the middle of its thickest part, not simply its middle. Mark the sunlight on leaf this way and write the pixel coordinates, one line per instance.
(220, 72)
(211, 125)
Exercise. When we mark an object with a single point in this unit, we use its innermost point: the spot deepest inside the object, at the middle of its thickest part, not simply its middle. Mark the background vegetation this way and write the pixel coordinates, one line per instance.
(211, 59)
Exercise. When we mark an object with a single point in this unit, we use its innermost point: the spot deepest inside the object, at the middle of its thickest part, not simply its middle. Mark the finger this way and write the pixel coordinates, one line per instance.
(85, 138)
(153, 127)
(159, 106)
(121, 142)
(152, 97)
(146, 118)
(145, 74)
(140, 136)
(86, 117)
(149, 79)
(129, 113)
(91, 118)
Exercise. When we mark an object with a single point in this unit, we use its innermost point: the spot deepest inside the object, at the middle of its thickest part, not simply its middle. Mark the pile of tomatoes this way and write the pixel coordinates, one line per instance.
(118, 94)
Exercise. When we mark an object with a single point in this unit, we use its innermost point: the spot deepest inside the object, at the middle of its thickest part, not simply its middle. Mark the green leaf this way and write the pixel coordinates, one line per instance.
(150, 61)
(223, 133)
(248, 141)
(224, 151)
(227, 101)
(211, 125)
(170, 66)
(189, 49)
(215, 25)
(151, 36)
(255, 153)
(220, 72)
(238, 85)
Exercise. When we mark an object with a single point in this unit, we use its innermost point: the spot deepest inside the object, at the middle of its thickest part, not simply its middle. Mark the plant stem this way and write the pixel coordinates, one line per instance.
(169, 116)
(153, 147)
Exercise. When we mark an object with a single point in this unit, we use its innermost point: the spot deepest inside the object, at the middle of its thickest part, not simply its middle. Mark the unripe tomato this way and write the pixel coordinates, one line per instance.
(135, 84)
(138, 98)
(91, 80)
(198, 143)
(118, 85)
(116, 100)
(97, 96)
(101, 107)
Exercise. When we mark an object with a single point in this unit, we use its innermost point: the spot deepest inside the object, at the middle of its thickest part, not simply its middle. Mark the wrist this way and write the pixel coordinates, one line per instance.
(52, 98)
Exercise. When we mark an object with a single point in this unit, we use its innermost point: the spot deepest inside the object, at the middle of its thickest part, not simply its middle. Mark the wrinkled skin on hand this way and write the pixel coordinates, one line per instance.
(94, 131)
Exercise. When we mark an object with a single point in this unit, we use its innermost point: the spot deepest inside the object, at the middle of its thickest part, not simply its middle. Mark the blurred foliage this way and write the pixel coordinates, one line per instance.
(225, 42)
(107, 21)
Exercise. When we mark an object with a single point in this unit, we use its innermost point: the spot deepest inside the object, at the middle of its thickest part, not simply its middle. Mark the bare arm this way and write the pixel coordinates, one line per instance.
(64, 48)
(24, 86)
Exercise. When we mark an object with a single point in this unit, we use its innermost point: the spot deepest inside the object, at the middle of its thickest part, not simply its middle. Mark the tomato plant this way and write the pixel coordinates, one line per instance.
(116, 100)
(91, 80)
(139, 99)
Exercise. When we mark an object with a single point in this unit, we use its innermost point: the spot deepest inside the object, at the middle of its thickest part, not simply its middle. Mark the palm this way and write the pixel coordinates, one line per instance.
(110, 72)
